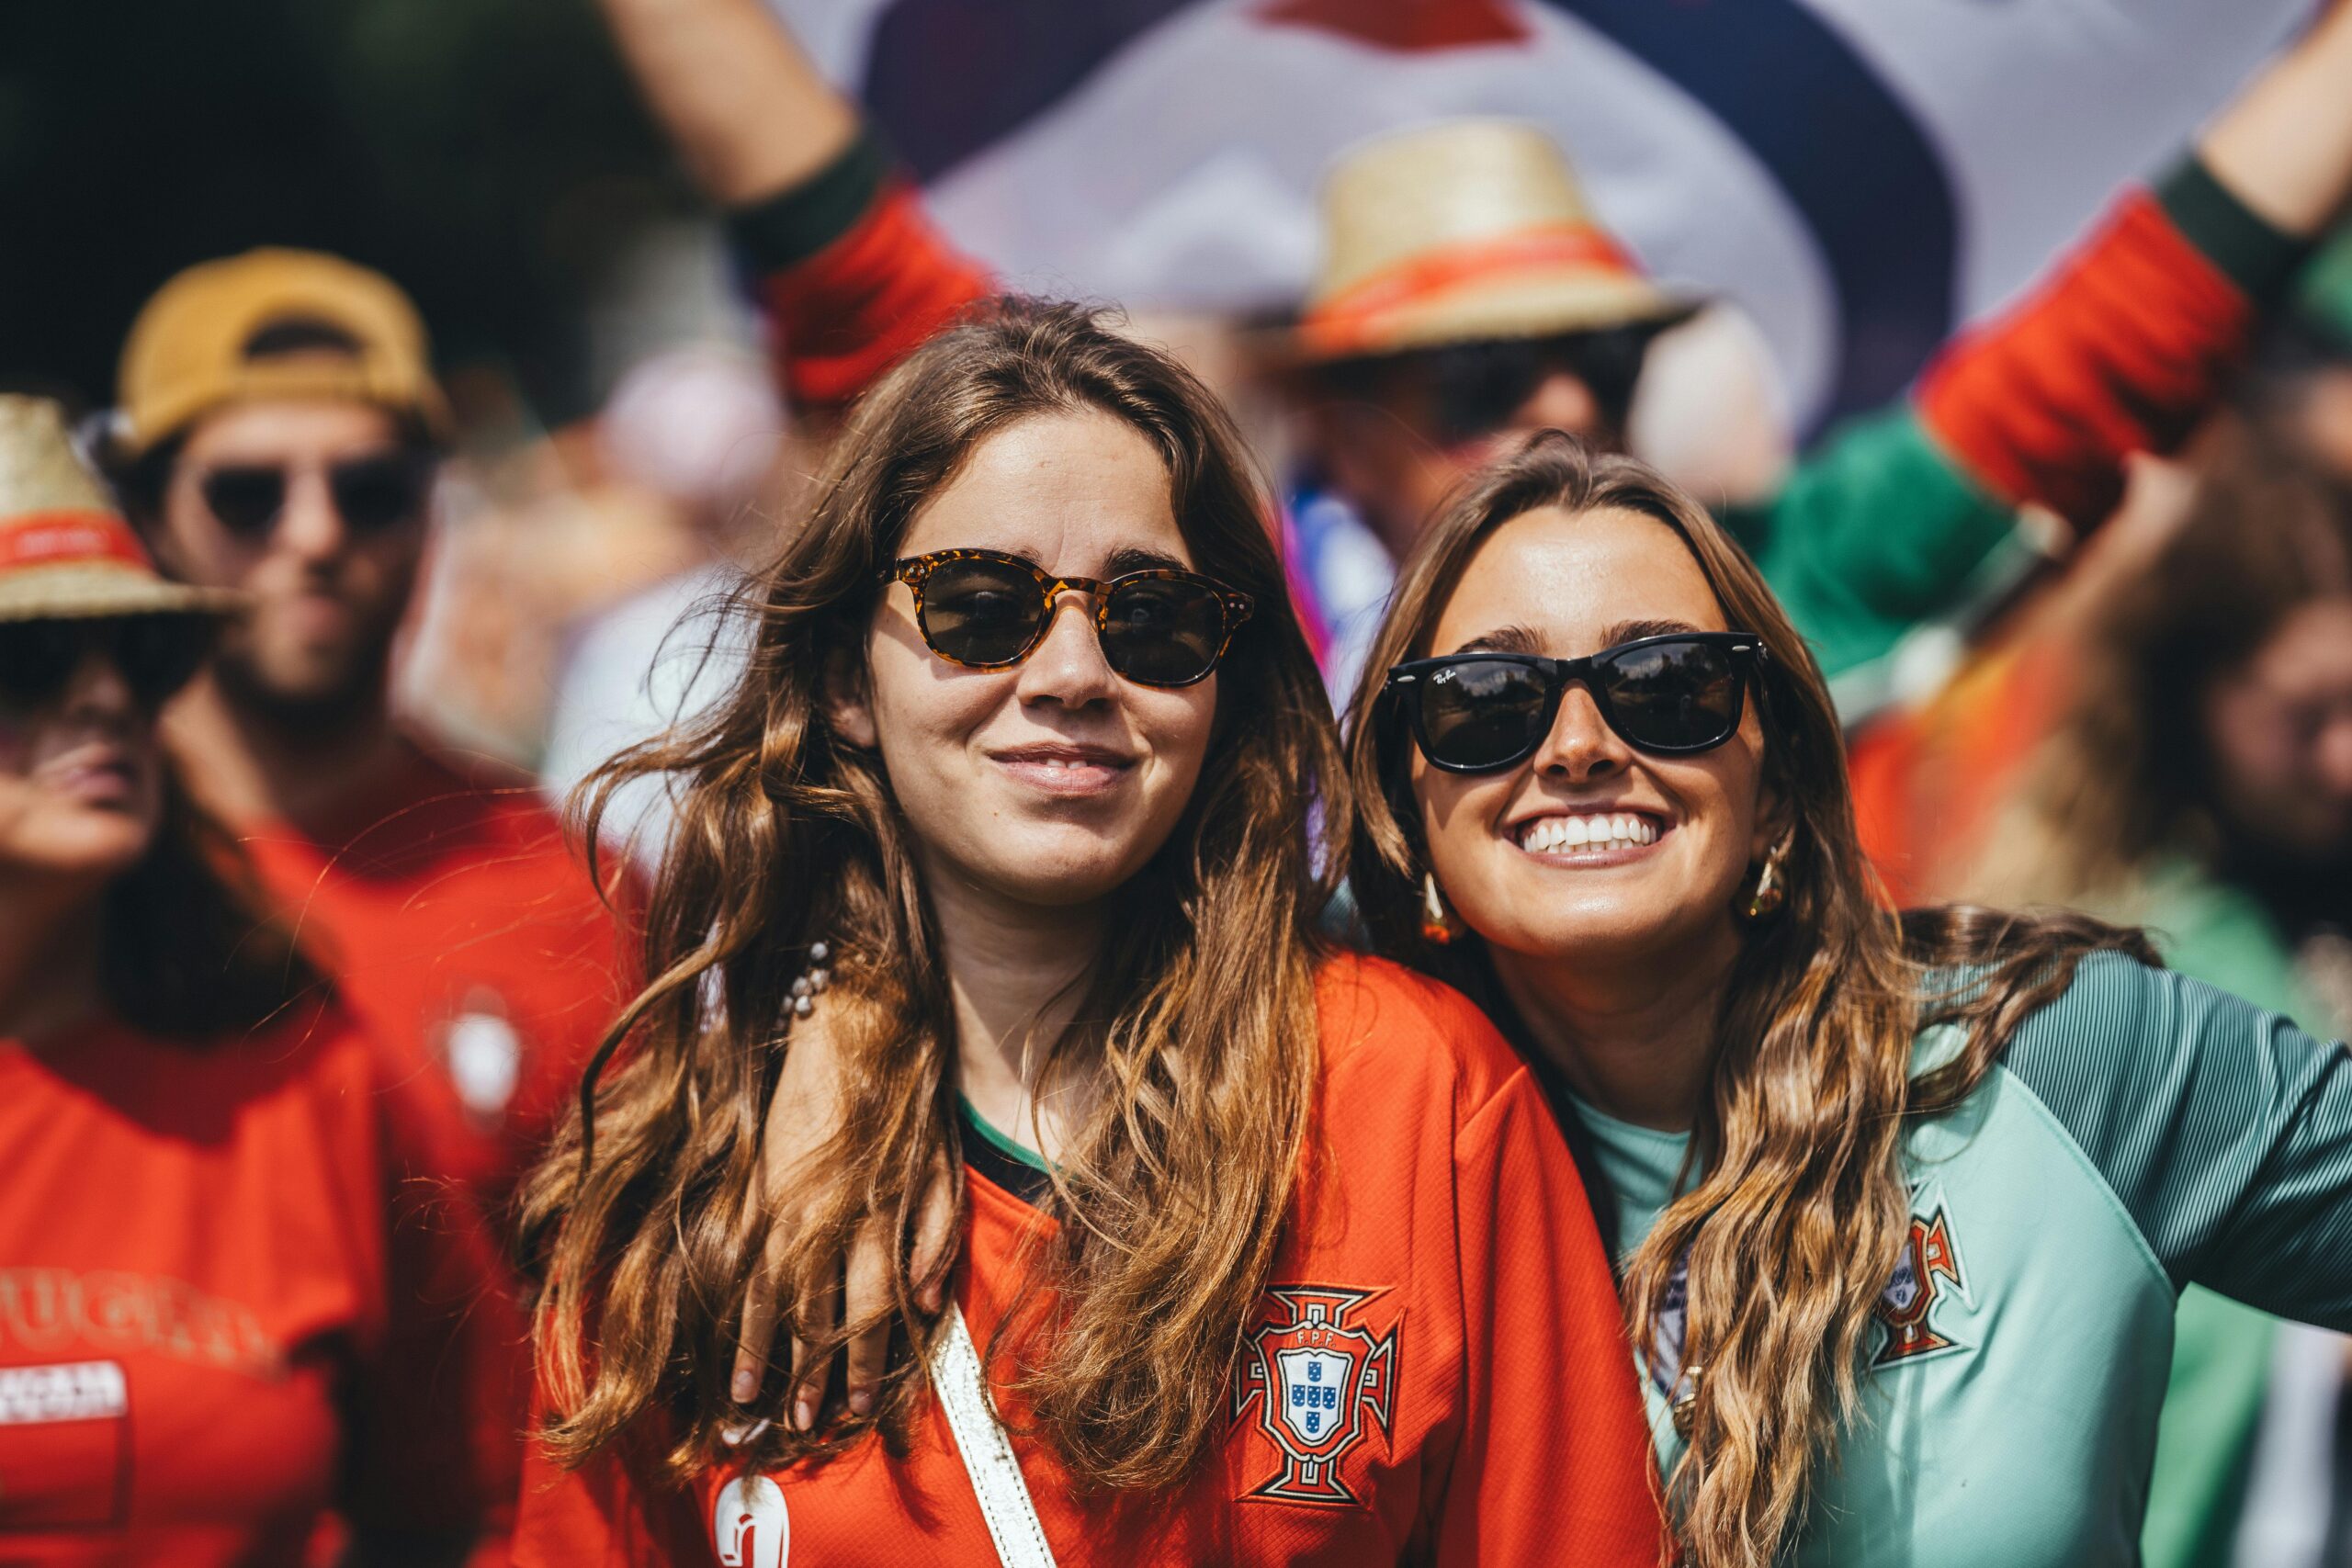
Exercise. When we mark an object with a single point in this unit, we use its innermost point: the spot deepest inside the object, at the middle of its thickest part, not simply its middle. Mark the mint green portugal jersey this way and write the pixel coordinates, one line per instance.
(2142, 1132)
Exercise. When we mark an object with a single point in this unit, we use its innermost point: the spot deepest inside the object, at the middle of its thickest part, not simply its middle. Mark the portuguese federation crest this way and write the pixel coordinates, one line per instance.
(1319, 1380)
(1927, 1274)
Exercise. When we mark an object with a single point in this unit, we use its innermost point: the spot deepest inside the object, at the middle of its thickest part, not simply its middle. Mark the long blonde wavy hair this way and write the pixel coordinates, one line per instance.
(1801, 1206)
(1199, 1023)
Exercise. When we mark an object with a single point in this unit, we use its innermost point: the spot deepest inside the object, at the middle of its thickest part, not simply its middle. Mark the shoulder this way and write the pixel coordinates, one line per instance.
(315, 1045)
(2134, 1060)
(307, 1065)
(2116, 1006)
(482, 803)
(1388, 1024)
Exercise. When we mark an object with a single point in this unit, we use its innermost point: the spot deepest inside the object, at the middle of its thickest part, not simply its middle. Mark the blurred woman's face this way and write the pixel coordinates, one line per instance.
(81, 782)
(1590, 850)
(2281, 731)
(1053, 780)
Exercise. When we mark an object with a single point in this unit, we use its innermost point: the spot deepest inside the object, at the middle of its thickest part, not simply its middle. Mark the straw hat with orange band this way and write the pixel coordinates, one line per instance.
(66, 552)
(1465, 231)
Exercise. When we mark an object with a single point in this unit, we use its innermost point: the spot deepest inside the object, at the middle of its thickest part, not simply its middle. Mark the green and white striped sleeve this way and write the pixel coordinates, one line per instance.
(2224, 1130)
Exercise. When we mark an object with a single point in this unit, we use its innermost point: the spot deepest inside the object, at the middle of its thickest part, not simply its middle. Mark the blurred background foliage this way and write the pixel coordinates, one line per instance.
(486, 153)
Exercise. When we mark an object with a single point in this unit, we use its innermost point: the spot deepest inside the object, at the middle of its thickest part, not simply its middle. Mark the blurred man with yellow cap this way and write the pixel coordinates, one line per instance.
(278, 434)
(1467, 295)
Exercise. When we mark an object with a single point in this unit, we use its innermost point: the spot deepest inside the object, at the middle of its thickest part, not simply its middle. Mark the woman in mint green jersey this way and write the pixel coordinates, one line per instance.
(1902, 1204)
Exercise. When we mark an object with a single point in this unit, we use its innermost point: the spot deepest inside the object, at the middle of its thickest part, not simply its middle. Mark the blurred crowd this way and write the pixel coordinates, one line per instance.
(304, 648)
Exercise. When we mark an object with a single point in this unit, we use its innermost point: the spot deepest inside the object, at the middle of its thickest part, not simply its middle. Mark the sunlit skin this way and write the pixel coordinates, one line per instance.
(325, 598)
(1017, 855)
(81, 795)
(1613, 956)
(2281, 731)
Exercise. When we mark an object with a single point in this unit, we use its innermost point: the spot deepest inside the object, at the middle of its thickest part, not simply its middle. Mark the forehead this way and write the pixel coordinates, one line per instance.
(286, 428)
(1568, 578)
(1068, 491)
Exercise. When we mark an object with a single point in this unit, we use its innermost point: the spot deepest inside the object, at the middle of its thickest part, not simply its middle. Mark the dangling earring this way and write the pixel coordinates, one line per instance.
(1769, 891)
(1438, 924)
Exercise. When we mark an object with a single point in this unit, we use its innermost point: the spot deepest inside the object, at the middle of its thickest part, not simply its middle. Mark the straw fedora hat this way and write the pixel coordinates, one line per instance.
(1465, 232)
(66, 552)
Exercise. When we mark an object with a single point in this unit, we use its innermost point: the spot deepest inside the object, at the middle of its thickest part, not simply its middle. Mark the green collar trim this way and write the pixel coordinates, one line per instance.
(1018, 1153)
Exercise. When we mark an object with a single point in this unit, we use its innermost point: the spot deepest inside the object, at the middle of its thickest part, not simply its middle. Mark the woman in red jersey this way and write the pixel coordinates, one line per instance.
(1270, 1257)
(211, 1348)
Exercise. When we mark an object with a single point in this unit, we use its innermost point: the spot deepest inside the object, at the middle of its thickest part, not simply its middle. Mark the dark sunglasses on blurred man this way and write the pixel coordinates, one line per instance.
(371, 494)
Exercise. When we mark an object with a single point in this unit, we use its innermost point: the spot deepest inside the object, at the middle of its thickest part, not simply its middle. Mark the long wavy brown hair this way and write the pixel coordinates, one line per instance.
(1800, 1206)
(1198, 1028)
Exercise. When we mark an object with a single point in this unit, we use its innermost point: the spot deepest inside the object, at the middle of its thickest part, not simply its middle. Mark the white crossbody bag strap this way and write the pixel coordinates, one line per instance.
(1005, 1503)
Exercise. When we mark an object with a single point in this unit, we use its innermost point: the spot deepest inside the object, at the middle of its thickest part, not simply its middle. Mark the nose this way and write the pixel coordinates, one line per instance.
(311, 526)
(1067, 667)
(1580, 747)
(97, 692)
(1560, 402)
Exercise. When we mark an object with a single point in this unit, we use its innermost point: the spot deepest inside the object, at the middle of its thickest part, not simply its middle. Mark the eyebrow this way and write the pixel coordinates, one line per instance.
(1634, 631)
(1132, 558)
(1521, 640)
(1504, 640)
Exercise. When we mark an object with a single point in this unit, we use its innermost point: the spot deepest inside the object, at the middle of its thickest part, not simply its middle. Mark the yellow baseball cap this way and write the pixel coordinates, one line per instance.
(272, 323)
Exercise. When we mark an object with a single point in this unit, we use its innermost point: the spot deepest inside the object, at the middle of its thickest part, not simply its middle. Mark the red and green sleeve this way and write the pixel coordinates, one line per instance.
(850, 274)
(2120, 349)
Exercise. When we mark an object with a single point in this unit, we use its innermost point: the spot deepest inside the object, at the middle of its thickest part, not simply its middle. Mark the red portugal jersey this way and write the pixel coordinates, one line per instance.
(208, 1334)
(468, 942)
(1436, 1372)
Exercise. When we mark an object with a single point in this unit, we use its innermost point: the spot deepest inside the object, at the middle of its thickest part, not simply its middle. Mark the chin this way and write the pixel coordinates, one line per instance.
(307, 688)
(95, 846)
(1589, 927)
(1053, 872)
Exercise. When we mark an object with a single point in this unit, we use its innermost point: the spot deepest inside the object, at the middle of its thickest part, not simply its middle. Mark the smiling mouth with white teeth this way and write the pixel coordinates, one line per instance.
(1599, 832)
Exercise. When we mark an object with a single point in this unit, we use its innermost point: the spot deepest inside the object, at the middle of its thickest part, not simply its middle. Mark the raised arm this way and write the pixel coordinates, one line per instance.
(748, 111)
(850, 274)
(2125, 344)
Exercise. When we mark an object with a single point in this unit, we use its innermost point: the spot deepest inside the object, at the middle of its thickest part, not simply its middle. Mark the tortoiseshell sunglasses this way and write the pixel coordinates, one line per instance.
(985, 610)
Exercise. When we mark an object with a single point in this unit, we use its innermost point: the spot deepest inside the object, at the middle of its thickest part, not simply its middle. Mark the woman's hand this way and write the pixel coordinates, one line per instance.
(803, 1115)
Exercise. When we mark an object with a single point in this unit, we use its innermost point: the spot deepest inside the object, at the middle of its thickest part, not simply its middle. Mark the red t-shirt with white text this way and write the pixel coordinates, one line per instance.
(202, 1306)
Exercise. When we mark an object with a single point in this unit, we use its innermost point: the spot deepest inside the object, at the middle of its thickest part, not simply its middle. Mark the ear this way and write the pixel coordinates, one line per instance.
(848, 708)
(1775, 819)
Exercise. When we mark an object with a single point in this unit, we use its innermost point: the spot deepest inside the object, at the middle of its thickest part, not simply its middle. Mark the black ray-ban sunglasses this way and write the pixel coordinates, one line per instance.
(371, 494)
(1473, 712)
(985, 610)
